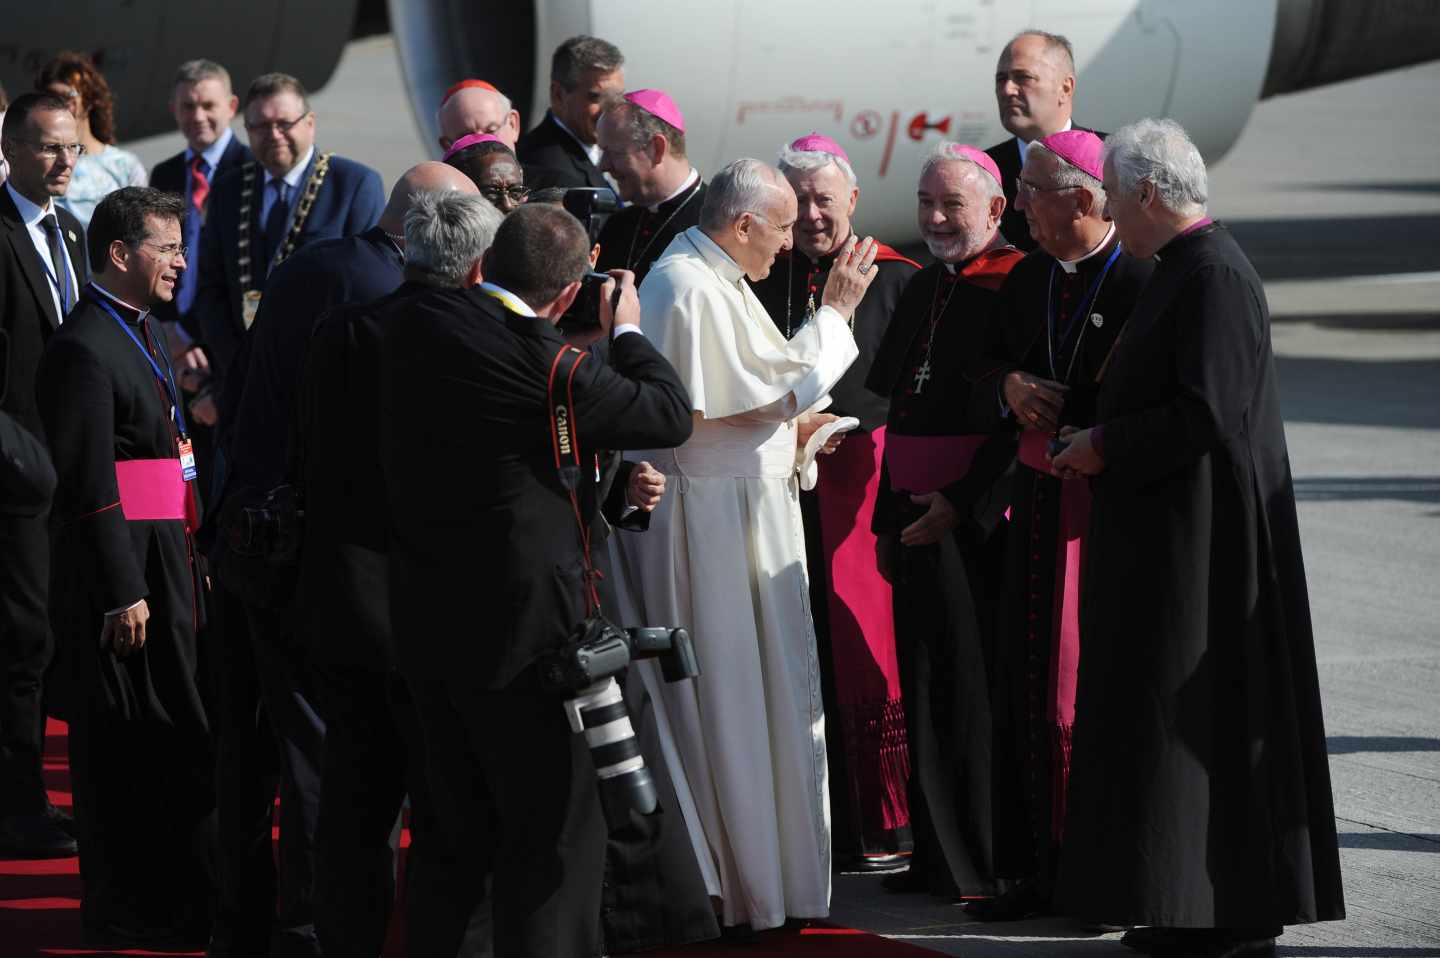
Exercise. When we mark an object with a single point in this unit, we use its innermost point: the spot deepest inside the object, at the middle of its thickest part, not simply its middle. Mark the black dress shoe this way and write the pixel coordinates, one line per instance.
(34, 836)
(1203, 942)
(62, 820)
(1025, 900)
(741, 934)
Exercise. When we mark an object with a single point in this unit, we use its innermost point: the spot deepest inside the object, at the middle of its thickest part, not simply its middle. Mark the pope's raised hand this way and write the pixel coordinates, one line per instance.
(851, 276)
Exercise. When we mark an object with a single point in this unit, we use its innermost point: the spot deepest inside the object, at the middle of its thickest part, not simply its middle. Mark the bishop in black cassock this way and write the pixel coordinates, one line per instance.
(851, 603)
(1200, 798)
(124, 515)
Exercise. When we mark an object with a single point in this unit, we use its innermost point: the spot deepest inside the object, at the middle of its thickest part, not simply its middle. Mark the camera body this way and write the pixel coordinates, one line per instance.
(585, 668)
(273, 529)
(592, 206)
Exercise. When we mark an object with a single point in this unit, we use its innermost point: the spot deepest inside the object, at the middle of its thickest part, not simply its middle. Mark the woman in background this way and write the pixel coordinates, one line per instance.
(103, 167)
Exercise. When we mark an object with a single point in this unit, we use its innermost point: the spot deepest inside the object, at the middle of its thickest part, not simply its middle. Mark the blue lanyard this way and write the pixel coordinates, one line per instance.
(167, 381)
(1086, 302)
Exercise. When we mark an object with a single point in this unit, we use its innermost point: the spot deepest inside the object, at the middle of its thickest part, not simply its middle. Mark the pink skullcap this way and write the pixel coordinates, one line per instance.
(465, 85)
(818, 143)
(472, 139)
(977, 156)
(659, 103)
(1081, 149)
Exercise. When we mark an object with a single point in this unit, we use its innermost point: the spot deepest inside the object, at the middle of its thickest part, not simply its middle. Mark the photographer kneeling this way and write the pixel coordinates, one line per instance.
(487, 572)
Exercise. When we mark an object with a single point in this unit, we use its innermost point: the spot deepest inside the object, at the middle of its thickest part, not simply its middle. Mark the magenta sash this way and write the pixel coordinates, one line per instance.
(921, 464)
(152, 489)
(862, 634)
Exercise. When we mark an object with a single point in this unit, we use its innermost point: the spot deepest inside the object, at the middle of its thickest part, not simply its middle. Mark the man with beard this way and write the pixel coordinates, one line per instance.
(854, 622)
(1035, 91)
(1200, 801)
(125, 513)
(1058, 315)
(642, 142)
(938, 520)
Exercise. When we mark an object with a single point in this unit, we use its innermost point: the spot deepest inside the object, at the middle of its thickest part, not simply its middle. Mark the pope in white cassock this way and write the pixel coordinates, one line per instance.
(725, 554)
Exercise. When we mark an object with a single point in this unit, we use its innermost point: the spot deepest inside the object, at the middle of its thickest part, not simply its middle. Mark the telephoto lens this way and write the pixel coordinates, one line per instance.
(598, 710)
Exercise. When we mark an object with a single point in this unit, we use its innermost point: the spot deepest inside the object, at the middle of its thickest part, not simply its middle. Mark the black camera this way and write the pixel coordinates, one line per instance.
(585, 667)
(271, 530)
(592, 206)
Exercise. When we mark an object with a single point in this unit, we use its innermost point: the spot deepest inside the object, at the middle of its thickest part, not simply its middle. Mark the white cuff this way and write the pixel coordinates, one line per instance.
(126, 608)
(623, 328)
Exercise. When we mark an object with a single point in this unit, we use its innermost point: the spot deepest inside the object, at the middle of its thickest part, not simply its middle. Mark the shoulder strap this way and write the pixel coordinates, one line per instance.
(565, 444)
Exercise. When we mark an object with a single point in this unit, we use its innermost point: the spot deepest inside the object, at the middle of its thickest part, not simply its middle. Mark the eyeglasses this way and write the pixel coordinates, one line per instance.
(1022, 188)
(278, 126)
(497, 193)
(169, 250)
(57, 150)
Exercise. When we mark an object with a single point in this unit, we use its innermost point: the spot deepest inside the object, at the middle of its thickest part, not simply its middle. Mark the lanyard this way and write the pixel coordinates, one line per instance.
(63, 292)
(1086, 302)
(166, 381)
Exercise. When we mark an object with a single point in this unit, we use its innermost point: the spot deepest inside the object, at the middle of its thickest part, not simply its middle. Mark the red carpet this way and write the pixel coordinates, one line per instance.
(40, 906)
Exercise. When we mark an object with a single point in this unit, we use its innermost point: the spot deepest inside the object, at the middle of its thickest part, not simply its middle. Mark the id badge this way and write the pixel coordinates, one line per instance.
(187, 459)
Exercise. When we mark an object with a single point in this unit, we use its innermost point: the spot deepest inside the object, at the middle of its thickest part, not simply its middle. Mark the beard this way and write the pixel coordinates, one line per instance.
(948, 249)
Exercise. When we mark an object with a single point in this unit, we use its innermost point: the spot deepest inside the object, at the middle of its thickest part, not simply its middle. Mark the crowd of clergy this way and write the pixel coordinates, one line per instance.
(991, 564)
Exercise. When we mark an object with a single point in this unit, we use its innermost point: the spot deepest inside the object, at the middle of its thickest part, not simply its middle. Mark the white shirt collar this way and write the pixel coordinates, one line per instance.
(512, 302)
(111, 296)
(592, 150)
(292, 179)
(1024, 145)
(214, 151)
(690, 181)
(1068, 265)
(30, 214)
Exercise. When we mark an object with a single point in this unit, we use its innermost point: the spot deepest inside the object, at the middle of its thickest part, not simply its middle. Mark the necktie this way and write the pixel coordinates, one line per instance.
(275, 222)
(63, 281)
(199, 182)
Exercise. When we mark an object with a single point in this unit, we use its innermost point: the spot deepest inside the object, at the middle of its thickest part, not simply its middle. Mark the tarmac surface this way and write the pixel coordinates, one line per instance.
(1335, 194)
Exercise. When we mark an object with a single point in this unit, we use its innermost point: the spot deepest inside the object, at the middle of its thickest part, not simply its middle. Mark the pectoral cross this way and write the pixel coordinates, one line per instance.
(922, 375)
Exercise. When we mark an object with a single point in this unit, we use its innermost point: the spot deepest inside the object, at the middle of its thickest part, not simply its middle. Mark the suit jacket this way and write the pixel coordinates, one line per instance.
(1012, 224)
(349, 202)
(552, 157)
(27, 477)
(485, 568)
(27, 311)
(172, 176)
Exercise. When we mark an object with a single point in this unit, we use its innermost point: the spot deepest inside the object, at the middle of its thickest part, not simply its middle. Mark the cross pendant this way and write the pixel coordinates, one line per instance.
(922, 375)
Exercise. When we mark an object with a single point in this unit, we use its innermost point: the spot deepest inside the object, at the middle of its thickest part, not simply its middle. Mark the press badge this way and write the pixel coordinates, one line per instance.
(187, 459)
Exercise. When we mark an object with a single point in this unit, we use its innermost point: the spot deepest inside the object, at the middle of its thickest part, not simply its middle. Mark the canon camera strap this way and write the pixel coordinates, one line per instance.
(565, 443)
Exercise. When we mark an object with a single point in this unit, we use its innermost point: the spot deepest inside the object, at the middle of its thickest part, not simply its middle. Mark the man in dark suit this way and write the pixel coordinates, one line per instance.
(203, 105)
(485, 564)
(1035, 91)
(124, 572)
(291, 195)
(561, 149)
(42, 268)
(275, 666)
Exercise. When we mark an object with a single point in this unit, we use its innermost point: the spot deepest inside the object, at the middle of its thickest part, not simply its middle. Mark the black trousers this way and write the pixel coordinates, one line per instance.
(374, 755)
(270, 739)
(517, 792)
(25, 652)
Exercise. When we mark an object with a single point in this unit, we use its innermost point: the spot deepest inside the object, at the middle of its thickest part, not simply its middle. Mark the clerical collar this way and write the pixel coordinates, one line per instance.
(214, 151)
(292, 178)
(592, 150)
(713, 253)
(30, 214)
(1190, 230)
(690, 181)
(1069, 265)
(140, 313)
(1024, 145)
(510, 301)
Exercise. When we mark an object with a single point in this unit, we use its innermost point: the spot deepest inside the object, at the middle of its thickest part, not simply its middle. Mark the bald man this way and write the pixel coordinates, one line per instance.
(268, 665)
(479, 108)
(1035, 92)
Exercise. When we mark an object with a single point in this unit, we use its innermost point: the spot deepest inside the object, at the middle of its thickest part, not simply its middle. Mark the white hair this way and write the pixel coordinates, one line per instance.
(738, 188)
(1068, 174)
(948, 151)
(807, 161)
(446, 231)
(1159, 152)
